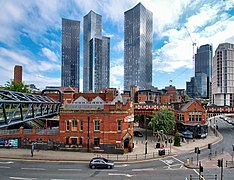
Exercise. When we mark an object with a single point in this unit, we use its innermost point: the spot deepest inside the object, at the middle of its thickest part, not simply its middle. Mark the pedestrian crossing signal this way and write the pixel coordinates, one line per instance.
(220, 163)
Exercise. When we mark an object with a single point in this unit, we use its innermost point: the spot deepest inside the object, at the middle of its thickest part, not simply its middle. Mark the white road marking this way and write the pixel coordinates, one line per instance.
(4, 167)
(165, 162)
(23, 178)
(178, 159)
(146, 169)
(118, 174)
(69, 169)
(9, 162)
(108, 170)
(122, 165)
(198, 174)
(37, 169)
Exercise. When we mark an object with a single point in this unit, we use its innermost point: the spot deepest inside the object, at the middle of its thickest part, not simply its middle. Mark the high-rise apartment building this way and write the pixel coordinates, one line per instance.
(18, 73)
(223, 75)
(105, 62)
(70, 53)
(96, 54)
(138, 34)
(203, 64)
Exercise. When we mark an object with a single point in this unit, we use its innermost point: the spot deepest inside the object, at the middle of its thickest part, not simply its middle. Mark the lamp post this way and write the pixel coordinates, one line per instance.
(146, 137)
(88, 133)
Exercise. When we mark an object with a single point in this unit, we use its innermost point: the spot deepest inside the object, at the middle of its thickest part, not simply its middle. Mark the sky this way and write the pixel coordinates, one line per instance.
(30, 36)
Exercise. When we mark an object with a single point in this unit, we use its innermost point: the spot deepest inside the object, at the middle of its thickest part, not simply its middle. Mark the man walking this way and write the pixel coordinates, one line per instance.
(32, 149)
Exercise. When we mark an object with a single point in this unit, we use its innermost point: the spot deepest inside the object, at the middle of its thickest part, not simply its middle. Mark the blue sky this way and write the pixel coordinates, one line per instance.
(30, 35)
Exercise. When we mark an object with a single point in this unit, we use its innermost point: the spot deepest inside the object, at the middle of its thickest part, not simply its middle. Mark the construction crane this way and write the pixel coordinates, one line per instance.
(193, 44)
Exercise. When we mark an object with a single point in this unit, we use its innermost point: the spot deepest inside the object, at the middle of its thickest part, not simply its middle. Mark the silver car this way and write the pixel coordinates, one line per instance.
(101, 163)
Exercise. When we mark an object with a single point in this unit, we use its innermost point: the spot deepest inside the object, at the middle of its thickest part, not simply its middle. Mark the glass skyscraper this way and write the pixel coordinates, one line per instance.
(138, 34)
(96, 54)
(203, 65)
(70, 53)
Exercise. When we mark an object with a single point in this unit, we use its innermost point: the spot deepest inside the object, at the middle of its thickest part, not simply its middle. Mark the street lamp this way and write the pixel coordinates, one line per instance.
(146, 137)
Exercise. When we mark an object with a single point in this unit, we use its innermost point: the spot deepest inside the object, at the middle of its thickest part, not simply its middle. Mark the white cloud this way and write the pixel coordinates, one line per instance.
(116, 76)
(207, 26)
(49, 54)
(119, 46)
(40, 81)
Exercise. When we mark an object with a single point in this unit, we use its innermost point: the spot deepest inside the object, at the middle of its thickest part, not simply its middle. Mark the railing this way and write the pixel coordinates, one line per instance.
(47, 131)
(11, 131)
(134, 157)
(27, 131)
(84, 106)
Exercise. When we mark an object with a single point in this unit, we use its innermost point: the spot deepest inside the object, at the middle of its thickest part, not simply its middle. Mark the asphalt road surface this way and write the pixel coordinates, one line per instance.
(170, 168)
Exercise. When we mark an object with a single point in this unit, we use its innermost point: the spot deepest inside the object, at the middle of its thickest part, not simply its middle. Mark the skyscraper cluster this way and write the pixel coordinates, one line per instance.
(138, 30)
(96, 54)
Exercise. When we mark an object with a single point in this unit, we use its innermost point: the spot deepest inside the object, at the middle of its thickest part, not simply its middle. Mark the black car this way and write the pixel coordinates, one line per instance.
(137, 134)
(99, 162)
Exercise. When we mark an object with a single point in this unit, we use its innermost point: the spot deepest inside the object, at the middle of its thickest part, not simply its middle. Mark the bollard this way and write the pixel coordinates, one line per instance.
(191, 160)
(127, 157)
(117, 157)
(222, 150)
(188, 162)
(215, 153)
(136, 156)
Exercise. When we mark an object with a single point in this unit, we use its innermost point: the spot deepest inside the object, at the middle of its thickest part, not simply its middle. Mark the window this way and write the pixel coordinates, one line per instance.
(119, 125)
(198, 118)
(97, 142)
(190, 118)
(81, 125)
(74, 125)
(97, 125)
(181, 116)
(67, 126)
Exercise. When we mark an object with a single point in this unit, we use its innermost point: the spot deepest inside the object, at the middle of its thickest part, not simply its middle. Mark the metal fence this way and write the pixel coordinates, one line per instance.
(11, 131)
(133, 157)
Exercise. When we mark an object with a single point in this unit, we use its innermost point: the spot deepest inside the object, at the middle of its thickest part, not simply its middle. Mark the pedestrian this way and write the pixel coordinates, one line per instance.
(32, 149)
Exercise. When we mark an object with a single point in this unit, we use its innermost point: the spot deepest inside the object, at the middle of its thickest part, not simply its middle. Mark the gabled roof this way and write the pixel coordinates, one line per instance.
(80, 99)
(185, 107)
(97, 99)
(68, 89)
(117, 98)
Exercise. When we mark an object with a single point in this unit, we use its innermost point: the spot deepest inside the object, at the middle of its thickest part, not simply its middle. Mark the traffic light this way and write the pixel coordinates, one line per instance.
(220, 163)
(209, 146)
(196, 149)
(201, 168)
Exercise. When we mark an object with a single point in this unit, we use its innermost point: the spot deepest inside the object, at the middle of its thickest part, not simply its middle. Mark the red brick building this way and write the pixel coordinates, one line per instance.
(18, 74)
(192, 116)
(98, 125)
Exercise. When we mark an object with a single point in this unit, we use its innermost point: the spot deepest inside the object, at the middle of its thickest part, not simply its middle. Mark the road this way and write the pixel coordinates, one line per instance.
(170, 168)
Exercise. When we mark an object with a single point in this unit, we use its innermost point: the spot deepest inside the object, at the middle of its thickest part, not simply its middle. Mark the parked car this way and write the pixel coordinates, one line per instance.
(137, 134)
(99, 162)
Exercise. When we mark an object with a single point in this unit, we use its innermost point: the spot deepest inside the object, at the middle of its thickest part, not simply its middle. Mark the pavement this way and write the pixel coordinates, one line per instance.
(138, 153)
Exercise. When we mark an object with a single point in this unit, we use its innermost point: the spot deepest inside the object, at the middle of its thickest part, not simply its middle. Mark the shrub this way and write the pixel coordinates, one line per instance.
(177, 139)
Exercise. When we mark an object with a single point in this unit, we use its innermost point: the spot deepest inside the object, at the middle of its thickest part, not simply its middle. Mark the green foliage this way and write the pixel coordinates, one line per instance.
(138, 117)
(18, 87)
(163, 120)
(177, 139)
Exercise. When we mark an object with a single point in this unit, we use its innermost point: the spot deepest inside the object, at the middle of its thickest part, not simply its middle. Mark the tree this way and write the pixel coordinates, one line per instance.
(18, 87)
(163, 120)
(177, 139)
